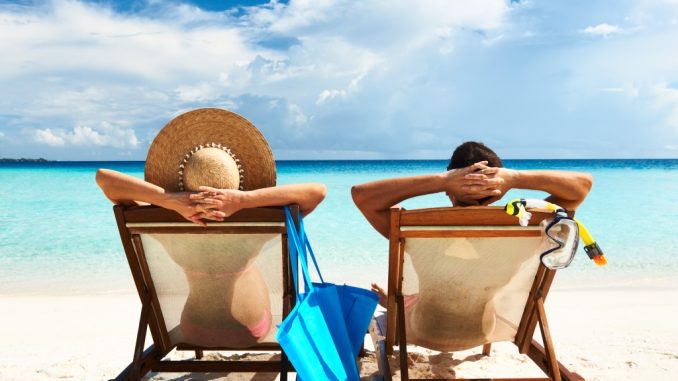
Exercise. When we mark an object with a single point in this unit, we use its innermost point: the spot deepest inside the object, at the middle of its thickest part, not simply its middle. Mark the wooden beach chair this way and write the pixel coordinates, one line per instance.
(461, 278)
(173, 262)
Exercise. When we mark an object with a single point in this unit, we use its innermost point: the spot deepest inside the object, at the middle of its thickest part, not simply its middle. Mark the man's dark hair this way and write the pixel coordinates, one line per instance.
(469, 153)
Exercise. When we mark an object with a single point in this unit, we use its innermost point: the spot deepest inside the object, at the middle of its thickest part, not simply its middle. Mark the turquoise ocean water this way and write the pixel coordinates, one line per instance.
(58, 234)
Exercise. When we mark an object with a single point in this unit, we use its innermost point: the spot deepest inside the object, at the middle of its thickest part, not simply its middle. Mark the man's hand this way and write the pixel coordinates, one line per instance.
(488, 184)
(374, 199)
(475, 184)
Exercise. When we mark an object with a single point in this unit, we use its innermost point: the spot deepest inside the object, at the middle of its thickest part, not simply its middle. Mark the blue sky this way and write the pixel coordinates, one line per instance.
(324, 79)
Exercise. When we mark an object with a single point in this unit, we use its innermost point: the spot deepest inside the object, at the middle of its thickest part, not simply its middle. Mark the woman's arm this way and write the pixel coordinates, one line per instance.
(374, 199)
(128, 190)
(210, 203)
(229, 201)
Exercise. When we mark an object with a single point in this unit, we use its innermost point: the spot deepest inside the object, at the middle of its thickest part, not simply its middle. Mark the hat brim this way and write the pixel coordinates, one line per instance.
(202, 127)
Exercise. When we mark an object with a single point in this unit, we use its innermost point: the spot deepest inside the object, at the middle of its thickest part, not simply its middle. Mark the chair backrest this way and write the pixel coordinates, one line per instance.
(223, 286)
(463, 277)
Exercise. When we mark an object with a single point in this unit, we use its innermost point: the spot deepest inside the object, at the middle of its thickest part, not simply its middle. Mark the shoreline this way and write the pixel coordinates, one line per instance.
(48, 337)
(131, 292)
(121, 283)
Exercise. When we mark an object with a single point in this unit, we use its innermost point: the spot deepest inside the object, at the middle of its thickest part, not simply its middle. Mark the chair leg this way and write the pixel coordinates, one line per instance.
(402, 338)
(487, 348)
(284, 366)
(548, 343)
(141, 339)
(198, 354)
(538, 354)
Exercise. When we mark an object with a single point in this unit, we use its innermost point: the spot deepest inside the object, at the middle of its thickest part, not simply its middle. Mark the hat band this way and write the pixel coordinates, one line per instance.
(187, 157)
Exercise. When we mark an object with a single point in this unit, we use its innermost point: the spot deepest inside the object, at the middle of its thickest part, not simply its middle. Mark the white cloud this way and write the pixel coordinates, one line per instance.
(296, 115)
(612, 89)
(666, 98)
(306, 71)
(329, 94)
(65, 36)
(374, 19)
(71, 63)
(106, 135)
(198, 93)
(1, 134)
(602, 30)
(49, 137)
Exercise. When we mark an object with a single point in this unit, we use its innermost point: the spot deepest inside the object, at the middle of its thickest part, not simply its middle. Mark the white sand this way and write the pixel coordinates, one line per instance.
(603, 334)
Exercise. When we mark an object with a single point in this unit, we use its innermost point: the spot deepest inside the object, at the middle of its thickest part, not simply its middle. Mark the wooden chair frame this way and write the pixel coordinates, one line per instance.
(534, 314)
(131, 222)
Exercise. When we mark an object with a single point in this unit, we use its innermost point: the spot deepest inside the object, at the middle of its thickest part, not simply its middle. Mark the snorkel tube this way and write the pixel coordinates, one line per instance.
(518, 207)
(590, 245)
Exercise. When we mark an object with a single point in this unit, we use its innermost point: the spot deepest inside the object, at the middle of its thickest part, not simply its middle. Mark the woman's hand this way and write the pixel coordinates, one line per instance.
(196, 212)
(218, 203)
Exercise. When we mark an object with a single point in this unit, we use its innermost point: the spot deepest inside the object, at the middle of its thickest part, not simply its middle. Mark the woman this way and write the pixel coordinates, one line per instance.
(206, 165)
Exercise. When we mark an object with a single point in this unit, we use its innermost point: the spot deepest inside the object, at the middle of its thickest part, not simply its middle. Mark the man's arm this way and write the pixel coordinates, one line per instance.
(566, 188)
(374, 199)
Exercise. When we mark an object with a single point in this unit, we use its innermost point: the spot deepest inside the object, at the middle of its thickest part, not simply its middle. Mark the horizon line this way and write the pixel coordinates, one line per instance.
(42, 160)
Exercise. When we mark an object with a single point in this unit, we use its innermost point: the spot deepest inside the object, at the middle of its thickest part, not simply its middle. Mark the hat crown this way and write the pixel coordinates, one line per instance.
(212, 167)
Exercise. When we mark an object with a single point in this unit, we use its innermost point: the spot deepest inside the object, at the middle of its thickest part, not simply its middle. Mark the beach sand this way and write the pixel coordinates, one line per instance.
(603, 334)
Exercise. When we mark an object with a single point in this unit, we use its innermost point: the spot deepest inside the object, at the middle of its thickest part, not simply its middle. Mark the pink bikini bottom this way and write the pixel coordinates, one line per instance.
(409, 301)
(237, 336)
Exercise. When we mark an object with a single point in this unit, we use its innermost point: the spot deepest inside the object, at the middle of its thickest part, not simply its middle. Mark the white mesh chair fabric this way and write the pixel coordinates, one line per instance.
(217, 290)
(224, 286)
(460, 278)
(464, 292)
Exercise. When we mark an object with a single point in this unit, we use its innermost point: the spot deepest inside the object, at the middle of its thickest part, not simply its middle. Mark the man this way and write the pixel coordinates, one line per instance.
(474, 176)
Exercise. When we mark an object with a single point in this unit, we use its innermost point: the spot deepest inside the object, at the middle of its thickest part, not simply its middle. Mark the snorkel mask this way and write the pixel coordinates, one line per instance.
(562, 233)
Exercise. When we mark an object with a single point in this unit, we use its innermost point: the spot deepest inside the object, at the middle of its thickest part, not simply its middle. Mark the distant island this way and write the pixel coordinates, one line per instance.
(24, 160)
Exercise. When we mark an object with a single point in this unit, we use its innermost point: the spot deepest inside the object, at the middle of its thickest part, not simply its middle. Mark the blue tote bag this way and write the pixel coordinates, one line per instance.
(357, 304)
(315, 335)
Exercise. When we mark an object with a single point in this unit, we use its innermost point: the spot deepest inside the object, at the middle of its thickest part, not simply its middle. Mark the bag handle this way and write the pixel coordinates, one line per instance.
(296, 250)
(307, 247)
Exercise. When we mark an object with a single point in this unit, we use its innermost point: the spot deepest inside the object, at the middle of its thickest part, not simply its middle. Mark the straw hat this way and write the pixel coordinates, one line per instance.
(212, 147)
